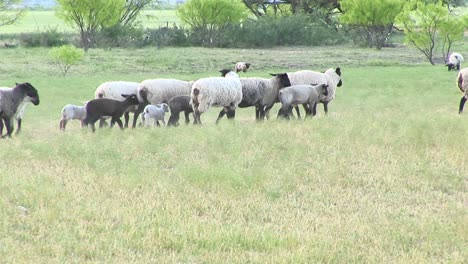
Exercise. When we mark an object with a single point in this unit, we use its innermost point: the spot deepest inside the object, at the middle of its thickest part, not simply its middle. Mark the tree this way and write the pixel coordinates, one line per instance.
(451, 31)
(9, 16)
(210, 18)
(428, 25)
(131, 11)
(66, 56)
(375, 18)
(88, 16)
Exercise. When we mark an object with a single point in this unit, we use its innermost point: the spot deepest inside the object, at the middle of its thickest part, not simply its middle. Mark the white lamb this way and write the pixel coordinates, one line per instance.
(225, 92)
(155, 112)
(330, 77)
(454, 61)
(242, 66)
(114, 90)
(70, 112)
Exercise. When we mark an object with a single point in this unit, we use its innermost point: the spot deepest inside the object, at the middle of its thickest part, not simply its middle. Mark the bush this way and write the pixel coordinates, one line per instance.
(119, 36)
(49, 38)
(293, 30)
(66, 56)
(167, 36)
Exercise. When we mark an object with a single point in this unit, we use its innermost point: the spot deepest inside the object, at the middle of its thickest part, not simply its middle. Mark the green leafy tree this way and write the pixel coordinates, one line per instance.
(374, 18)
(430, 26)
(8, 15)
(88, 16)
(211, 18)
(65, 57)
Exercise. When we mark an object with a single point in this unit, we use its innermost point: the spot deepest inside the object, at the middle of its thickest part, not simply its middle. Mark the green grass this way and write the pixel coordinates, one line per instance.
(382, 179)
(42, 20)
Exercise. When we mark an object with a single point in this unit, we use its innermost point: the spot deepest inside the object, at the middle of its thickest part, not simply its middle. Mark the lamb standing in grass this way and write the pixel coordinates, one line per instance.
(177, 104)
(330, 77)
(158, 91)
(462, 83)
(301, 94)
(114, 90)
(242, 66)
(97, 108)
(155, 112)
(70, 112)
(13, 102)
(454, 61)
(216, 91)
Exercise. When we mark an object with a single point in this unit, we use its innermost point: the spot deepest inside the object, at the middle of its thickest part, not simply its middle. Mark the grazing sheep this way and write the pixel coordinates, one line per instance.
(301, 94)
(242, 66)
(178, 104)
(158, 91)
(114, 90)
(70, 112)
(97, 108)
(454, 61)
(155, 112)
(261, 93)
(330, 77)
(216, 91)
(462, 83)
(13, 102)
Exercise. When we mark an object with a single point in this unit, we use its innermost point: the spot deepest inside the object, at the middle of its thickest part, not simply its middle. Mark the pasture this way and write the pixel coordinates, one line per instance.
(381, 179)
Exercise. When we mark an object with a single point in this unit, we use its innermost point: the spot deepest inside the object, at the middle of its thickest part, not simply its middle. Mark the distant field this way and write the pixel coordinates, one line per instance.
(42, 20)
(382, 179)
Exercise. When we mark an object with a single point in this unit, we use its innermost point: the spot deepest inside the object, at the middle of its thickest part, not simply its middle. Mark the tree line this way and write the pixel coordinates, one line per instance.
(432, 26)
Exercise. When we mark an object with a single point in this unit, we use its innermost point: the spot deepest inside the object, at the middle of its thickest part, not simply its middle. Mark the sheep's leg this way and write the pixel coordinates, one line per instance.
(127, 117)
(156, 123)
(139, 110)
(118, 121)
(63, 123)
(8, 126)
(314, 109)
(325, 107)
(172, 120)
(231, 114)
(196, 117)
(462, 104)
(266, 111)
(221, 115)
(164, 122)
(18, 129)
(102, 121)
(187, 117)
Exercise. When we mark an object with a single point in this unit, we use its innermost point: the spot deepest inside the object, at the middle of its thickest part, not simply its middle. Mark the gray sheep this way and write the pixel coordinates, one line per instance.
(13, 102)
(70, 112)
(301, 94)
(179, 104)
(155, 112)
(97, 108)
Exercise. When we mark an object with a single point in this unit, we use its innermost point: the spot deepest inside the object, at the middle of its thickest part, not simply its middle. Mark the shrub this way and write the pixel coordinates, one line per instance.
(66, 56)
(119, 36)
(48, 38)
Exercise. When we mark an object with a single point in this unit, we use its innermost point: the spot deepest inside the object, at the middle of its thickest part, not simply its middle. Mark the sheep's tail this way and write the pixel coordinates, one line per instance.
(144, 95)
(460, 82)
(100, 95)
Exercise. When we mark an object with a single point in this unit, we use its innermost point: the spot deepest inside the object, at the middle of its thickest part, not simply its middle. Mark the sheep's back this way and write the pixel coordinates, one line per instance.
(115, 89)
(162, 90)
(306, 77)
(219, 91)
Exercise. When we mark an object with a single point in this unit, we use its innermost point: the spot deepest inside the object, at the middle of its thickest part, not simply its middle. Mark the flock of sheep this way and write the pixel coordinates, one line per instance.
(154, 98)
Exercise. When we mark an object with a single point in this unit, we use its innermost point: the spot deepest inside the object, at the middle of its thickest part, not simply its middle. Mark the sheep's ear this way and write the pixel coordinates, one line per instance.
(338, 71)
(274, 74)
(124, 95)
(16, 83)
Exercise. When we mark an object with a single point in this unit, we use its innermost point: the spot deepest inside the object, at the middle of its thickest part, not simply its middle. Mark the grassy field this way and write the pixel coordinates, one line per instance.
(382, 179)
(42, 20)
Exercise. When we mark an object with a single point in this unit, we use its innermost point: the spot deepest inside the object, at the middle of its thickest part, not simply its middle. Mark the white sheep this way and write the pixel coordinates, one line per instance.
(70, 112)
(13, 102)
(261, 93)
(242, 66)
(155, 112)
(454, 61)
(462, 83)
(158, 91)
(300, 94)
(216, 91)
(114, 90)
(331, 77)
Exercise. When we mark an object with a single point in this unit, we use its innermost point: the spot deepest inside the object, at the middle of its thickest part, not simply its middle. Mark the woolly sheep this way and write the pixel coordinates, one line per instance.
(155, 112)
(114, 90)
(97, 108)
(177, 104)
(300, 94)
(13, 102)
(261, 93)
(330, 77)
(70, 112)
(158, 91)
(462, 83)
(454, 61)
(216, 91)
(242, 66)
